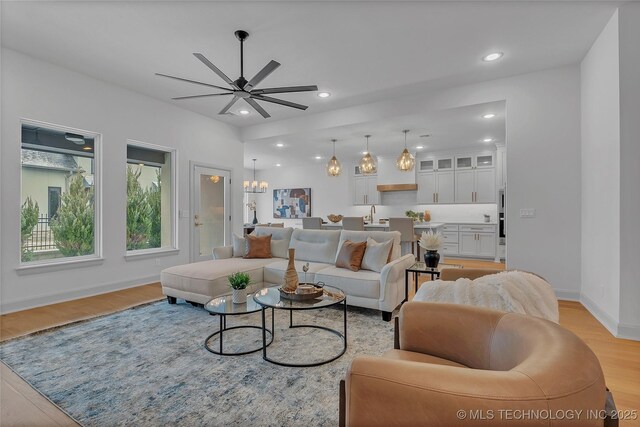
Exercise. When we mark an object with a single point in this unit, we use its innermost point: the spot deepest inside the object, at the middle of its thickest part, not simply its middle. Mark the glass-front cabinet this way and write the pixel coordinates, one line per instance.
(426, 165)
(484, 161)
(445, 164)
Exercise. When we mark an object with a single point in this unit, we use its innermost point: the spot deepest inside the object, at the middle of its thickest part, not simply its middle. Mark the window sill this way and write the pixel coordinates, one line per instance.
(59, 265)
(150, 253)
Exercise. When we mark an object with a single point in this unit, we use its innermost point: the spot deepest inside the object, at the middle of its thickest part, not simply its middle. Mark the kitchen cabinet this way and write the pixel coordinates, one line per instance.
(475, 186)
(469, 240)
(436, 188)
(365, 190)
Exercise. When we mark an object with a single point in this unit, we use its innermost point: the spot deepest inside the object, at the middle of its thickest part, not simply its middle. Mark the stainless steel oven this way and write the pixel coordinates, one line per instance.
(501, 214)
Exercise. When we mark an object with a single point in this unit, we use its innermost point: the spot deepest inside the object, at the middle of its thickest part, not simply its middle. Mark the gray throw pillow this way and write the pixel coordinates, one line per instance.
(376, 255)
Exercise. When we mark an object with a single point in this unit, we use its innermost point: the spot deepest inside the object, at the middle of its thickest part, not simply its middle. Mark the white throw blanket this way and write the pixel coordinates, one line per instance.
(512, 291)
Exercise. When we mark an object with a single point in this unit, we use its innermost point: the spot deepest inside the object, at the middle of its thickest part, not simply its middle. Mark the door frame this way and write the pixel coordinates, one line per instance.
(192, 204)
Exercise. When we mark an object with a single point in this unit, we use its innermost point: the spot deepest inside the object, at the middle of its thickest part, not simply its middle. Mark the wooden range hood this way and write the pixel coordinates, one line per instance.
(397, 187)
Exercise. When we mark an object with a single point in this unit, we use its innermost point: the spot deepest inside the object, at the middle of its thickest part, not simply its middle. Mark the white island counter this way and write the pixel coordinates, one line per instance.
(418, 226)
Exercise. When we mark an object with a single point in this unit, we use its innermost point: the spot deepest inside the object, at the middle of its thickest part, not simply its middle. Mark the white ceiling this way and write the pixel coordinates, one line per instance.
(448, 129)
(359, 51)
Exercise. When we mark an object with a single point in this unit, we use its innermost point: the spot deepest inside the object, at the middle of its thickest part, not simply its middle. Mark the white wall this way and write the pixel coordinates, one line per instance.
(600, 108)
(38, 90)
(543, 157)
(334, 195)
(629, 17)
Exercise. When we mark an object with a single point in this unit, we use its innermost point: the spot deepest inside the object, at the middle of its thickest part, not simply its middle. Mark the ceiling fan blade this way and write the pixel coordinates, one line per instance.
(285, 89)
(262, 74)
(229, 105)
(215, 69)
(193, 81)
(279, 101)
(202, 96)
(257, 107)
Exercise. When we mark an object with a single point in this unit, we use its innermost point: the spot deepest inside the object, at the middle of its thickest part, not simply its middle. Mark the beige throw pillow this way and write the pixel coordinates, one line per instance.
(239, 246)
(376, 255)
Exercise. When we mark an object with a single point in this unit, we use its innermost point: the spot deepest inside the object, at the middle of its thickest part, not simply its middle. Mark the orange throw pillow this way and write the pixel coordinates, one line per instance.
(351, 254)
(258, 246)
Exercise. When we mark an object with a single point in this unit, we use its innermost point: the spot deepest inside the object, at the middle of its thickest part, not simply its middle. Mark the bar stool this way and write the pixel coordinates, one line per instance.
(355, 223)
(407, 232)
(312, 223)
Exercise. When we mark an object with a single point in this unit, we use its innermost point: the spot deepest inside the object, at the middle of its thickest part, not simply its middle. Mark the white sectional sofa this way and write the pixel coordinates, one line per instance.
(201, 281)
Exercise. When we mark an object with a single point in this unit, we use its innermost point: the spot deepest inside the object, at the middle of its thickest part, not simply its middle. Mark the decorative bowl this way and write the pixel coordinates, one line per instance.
(334, 218)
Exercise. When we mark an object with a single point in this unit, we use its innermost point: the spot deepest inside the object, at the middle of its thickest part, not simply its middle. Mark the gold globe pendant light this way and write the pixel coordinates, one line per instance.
(406, 161)
(333, 166)
(368, 162)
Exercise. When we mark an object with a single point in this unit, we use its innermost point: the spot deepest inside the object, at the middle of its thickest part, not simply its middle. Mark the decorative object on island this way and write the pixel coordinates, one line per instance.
(252, 207)
(411, 214)
(368, 162)
(427, 215)
(290, 275)
(405, 161)
(333, 166)
(430, 242)
(239, 282)
(243, 89)
(292, 203)
(334, 218)
(255, 186)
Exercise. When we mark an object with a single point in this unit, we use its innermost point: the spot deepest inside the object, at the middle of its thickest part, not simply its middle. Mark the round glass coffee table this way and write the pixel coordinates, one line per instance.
(271, 298)
(223, 307)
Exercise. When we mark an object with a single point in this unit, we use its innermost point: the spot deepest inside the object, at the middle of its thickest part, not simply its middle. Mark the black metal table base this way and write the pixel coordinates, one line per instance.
(223, 328)
(342, 335)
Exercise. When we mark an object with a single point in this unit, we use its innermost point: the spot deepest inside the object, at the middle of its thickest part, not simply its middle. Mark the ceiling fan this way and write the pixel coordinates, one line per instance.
(243, 89)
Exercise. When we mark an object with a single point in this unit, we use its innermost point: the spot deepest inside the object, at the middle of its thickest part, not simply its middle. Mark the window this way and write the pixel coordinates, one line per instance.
(58, 194)
(150, 197)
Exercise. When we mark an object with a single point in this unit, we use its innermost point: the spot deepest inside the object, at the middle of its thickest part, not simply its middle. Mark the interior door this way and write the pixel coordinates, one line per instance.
(210, 214)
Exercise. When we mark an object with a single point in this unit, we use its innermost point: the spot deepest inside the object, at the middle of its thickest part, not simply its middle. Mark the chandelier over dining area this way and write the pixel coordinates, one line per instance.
(255, 186)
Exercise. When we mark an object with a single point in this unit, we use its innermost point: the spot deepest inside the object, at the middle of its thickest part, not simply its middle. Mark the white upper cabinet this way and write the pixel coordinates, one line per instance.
(465, 186)
(426, 188)
(464, 162)
(445, 188)
(365, 191)
(444, 164)
(485, 161)
(485, 186)
(426, 165)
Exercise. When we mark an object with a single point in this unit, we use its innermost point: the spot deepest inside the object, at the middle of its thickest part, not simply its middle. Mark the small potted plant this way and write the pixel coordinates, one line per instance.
(431, 242)
(239, 282)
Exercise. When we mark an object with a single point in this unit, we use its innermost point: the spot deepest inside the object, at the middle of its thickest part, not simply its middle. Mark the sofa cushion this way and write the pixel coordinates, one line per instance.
(363, 283)
(315, 245)
(210, 277)
(350, 255)
(280, 238)
(377, 255)
(258, 246)
(274, 272)
(378, 236)
(239, 246)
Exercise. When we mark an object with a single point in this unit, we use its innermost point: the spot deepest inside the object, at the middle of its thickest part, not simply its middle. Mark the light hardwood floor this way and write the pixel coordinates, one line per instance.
(21, 405)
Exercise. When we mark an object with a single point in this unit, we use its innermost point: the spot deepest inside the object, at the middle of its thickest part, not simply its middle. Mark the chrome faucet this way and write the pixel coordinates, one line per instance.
(371, 212)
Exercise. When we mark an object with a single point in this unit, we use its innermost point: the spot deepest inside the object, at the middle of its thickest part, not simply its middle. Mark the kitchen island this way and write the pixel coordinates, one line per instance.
(418, 227)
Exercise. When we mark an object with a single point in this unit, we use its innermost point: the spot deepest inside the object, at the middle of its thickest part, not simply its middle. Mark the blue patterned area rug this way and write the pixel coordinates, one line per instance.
(147, 366)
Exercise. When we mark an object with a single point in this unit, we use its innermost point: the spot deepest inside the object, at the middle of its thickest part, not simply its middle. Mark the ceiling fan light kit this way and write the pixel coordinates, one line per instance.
(405, 161)
(333, 166)
(368, 163)
(243, 89)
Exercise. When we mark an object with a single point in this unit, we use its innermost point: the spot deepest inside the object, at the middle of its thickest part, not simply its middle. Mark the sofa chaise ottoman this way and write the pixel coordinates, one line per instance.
(380, 290)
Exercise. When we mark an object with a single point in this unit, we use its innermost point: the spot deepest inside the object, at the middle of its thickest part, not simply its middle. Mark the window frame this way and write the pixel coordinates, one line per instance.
(97, 256)
(173, 248)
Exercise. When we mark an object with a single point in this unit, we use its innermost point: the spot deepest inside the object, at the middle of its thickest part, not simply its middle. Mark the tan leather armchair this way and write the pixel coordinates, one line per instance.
(452, 274)
(457, 365)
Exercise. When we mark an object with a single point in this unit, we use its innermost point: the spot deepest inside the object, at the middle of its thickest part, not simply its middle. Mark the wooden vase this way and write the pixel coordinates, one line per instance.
(291, 275)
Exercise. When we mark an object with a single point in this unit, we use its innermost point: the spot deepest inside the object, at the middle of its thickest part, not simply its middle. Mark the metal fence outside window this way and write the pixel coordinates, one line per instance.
(42, 238)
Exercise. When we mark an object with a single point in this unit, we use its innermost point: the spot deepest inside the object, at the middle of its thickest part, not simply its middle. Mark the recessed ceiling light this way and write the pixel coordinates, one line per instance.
(324, 94)
(487, 140)
(419, 147)
(318, 157)
(278, 164)
(279, 144)
(488, 116)
(244, 112)
(364, 153)
(492, 56)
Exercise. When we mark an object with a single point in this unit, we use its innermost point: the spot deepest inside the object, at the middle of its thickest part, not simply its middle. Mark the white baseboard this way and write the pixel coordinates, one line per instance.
(53, 298)
(618, 330)
(567, 295)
